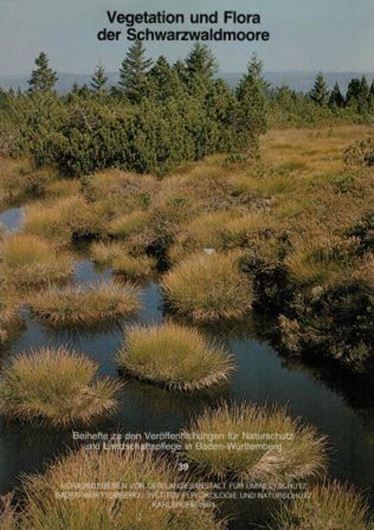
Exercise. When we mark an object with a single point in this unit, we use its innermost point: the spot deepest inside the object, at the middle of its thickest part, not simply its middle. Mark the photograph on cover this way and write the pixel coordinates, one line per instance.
(186, 265)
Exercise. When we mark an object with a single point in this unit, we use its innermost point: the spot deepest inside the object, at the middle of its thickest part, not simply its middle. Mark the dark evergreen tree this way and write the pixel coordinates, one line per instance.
(252, 109)
(200, 69)
(320, 93)
(164, 82)
(336, 100)
(201, 62)
(43, 78)
(133, 81)
(371, 97)
(180, 68)
(363, 97)
(99, 79)
(353, 91)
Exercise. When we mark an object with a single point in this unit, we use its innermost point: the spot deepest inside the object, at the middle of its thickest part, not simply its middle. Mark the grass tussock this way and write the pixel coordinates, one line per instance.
(104, 252)
(44, 511)
(64, 220)
(116, 255)
(86, 306)
(329, 505)
(327, 261)
(9, 317)
(297, 453)
(174, 356)
(27, 261)
(134, 268)
(57, 387)
(127, 225)
(208, 287)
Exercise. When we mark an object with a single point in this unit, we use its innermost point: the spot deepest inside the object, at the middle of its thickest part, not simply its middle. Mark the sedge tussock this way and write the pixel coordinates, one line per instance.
(208, 287)
(55, 386)
(27, 261)
(103, 510)
(174, 356)
(297, 453)
(327, 505)
(84, 306)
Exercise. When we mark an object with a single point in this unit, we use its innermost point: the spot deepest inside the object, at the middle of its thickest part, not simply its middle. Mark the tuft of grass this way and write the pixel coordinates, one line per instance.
(208, 287)
(321, 261)
(87, 306)
(58, 387)
(101, 509)
(67, 219)
(26, 261)
(329, 505)
(174, 356)
(128, 225)
(104, 252)
(134, 268)
(269, 445)
(116, 255)
(9, 317)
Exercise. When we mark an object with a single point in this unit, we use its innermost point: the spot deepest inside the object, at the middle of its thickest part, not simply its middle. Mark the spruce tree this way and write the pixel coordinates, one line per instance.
(320, 93)
(251, 95)
(133, 81)
(164, 82)
(336, 100)
(353, 91)
(371, 97)
(43, 78)
(99, 79)
(201, 62)
(363, 97)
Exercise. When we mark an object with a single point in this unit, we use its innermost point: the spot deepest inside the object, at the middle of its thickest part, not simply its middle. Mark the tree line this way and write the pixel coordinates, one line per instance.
(159, 114)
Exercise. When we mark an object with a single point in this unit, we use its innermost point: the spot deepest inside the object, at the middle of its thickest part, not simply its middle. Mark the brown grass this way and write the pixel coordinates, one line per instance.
(104, 511)
(299, 455)
(72, 306)
(58, 387)
(174, 356)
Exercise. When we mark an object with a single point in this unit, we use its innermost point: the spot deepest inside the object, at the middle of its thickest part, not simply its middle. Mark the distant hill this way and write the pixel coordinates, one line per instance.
(299, 81)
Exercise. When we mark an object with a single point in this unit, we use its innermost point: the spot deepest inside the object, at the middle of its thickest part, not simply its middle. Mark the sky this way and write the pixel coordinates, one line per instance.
(306, 35)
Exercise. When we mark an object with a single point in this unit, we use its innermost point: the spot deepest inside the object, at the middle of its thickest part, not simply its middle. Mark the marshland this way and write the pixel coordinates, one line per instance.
(216, 280)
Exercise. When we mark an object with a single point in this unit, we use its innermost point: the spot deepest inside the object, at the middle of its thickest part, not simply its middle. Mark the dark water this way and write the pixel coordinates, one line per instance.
(340, 409)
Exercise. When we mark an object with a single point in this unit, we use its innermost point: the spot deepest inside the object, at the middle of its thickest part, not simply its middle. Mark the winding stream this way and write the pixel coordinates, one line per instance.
(342, 411)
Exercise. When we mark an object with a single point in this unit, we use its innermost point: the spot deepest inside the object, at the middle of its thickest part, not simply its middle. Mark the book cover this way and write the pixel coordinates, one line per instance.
(186, 265)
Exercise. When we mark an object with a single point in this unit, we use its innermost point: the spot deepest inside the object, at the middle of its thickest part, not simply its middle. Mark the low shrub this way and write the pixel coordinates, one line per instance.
(174, 356)
(87, 306)
(27, 261)
(44, 510)
(329, 505)
(298, 452)
(208, 287)
(57, 387)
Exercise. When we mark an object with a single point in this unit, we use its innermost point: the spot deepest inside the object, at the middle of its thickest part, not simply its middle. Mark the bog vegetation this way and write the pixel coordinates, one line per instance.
(57, 387)
(247, 200)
